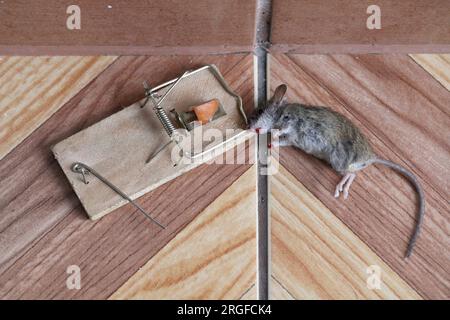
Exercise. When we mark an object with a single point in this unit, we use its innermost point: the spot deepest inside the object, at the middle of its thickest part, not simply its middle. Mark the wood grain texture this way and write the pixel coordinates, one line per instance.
(119, 145)
(315, 256)
(33, 88)
(404, 112)
(43, 227)
(128, 27)
(438, 65)
(250, 294)
(214, 257)
(276, 292)
(321, 26)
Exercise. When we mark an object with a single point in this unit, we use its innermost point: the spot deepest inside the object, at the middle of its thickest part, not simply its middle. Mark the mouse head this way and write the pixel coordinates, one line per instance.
(264, 117)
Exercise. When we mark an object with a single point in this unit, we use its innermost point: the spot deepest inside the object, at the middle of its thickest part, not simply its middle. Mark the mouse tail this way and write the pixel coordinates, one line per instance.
(413, 179)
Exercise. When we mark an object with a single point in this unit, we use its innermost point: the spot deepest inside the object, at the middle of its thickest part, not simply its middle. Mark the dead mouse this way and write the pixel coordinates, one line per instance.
(327, 135)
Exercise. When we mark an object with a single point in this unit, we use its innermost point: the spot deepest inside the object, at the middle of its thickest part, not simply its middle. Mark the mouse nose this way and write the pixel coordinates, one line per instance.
(257, 130)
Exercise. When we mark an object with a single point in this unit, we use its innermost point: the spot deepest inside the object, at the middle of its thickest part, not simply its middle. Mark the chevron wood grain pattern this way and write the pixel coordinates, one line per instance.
(250, 294)
(43, 227)
(277, 292)
(127, 27)
(438, 65)
(32, 89)
(316, 256)
(404, 112)
(214, 257)
(340, 26)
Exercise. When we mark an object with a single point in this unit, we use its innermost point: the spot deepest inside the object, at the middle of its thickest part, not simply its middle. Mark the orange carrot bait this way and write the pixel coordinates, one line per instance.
(205, 112)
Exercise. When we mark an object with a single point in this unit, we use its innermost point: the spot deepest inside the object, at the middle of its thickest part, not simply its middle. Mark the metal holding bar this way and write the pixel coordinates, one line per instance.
(84, 170)
(154, 154)
(171, 88)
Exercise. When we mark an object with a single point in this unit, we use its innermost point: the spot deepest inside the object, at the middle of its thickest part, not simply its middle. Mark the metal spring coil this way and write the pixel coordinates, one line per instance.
(165, 121)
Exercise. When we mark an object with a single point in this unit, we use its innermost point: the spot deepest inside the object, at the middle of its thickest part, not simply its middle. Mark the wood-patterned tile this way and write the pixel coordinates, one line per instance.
(278, 292)
(33, 88)
(213, 257)
(316, 256)
(340, 26)
(131, 27)
(438, 65)
(42, 225)
(404, 112)
(250, 294)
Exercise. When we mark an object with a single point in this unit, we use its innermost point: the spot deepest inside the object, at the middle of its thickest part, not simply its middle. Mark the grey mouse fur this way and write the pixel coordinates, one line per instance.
(329, 136)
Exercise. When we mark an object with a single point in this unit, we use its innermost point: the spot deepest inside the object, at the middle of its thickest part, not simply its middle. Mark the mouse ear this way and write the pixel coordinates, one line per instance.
(278, 95)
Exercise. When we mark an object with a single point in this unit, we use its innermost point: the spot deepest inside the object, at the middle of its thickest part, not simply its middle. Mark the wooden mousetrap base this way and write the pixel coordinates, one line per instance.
(118, 146)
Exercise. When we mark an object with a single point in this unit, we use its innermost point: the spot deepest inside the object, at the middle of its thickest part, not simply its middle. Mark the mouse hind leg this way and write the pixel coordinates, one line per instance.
(344, 185)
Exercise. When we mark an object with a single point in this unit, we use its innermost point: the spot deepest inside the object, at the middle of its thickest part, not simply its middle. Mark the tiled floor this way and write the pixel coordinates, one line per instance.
(404, 111)
(44, 228)
(321, 247)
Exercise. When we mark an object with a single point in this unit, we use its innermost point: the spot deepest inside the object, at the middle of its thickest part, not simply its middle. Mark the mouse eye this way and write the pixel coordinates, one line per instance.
(285, 118)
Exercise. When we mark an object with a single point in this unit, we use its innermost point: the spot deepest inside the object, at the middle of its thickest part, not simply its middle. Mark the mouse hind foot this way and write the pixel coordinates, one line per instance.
(344, 185)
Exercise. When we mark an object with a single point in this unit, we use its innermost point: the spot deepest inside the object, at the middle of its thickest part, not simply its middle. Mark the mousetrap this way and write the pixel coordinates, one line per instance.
(131, 152)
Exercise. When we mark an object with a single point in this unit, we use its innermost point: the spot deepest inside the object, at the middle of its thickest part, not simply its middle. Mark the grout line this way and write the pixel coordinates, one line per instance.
(247, 291)
(262, 37)
(421, 65)
(284, 288)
